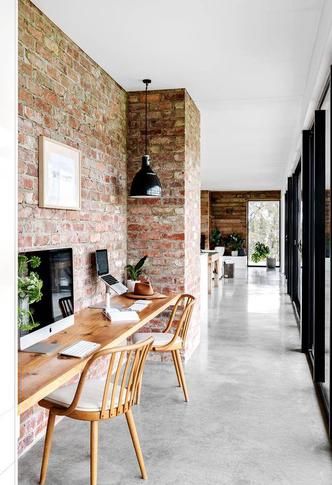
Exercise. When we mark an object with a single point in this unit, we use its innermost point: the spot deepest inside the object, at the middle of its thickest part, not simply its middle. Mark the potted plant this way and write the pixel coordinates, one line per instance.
(235, 243)
(134, 272)
(261, 252)
(29, 291)
(217, 241)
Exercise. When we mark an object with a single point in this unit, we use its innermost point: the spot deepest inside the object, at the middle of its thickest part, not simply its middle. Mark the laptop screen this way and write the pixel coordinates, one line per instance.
(102, 262)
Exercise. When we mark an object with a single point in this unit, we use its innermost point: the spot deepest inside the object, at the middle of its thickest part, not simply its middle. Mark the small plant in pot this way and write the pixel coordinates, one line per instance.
(235, 243)
(261, 252)
(29, 291)
(217, 241)
(134, 272)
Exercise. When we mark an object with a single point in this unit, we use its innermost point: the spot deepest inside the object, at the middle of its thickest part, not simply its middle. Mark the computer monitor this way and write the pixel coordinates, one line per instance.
(55, 311)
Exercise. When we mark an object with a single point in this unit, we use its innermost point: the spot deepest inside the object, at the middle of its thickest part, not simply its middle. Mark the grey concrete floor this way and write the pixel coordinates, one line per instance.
(253, 416)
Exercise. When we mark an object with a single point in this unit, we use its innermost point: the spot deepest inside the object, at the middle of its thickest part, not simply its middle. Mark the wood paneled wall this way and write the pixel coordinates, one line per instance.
(227, 210)
(205, 216)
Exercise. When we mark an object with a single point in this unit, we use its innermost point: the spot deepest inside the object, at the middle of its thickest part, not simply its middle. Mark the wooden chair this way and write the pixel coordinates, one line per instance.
(100, 399)
(167, 341)
(66, 306)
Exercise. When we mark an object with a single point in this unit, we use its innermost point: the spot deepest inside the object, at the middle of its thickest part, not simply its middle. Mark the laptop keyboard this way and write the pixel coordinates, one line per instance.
(109, 279)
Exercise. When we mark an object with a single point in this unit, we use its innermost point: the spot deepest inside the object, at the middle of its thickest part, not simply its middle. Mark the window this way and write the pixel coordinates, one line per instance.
(263, 226)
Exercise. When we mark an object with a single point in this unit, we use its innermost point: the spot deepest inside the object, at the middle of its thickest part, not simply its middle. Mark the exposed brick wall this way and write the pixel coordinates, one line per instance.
(65, 95)
(160, 227)
(192, 219)
(156, 227)
(205, 217)
(228, 209)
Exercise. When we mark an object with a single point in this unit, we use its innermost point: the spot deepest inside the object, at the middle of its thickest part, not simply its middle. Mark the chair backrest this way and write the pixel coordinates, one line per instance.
(66, 306)
(182, 312)
(124, 373)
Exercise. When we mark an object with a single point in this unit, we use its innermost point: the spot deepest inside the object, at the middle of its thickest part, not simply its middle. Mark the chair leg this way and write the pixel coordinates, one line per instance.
(135, 440)
(47, 447)
(176, 368)
(183, 379)
(93, 452)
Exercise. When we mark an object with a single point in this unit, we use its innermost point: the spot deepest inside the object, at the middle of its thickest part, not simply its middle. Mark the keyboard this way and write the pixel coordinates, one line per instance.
(109, 279)
(80, 349)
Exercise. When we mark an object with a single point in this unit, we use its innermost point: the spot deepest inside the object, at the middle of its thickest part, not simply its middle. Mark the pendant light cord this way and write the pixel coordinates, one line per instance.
(146, 119)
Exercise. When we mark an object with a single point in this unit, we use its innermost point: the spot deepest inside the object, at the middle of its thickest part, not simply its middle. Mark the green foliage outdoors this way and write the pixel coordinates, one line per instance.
(135, 271)
(263, 226)
(261, 251)
(29, 285)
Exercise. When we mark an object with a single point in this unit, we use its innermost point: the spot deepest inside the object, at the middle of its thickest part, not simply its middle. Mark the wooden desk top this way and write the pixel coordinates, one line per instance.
(40, 374)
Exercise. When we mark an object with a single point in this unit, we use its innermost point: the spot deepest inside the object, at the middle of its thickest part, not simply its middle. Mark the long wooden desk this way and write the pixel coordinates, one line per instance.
(40, 374)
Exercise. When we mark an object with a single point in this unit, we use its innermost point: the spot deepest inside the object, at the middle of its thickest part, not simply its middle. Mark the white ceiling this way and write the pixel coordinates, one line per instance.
(244, 62)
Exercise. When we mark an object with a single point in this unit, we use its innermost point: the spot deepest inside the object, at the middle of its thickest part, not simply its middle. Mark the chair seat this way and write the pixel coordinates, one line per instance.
(159, 339)
(91, 397)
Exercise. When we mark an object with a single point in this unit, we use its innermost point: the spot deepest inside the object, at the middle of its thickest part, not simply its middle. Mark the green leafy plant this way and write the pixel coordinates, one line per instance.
(134, 271)
(261, 251)
(29, 289)
(234, 242)
(216, 238)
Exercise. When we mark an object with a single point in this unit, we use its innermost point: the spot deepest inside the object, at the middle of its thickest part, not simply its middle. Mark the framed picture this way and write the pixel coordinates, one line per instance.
(59, 175)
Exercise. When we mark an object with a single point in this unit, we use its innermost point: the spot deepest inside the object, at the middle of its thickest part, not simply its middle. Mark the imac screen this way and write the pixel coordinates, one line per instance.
(56, 272)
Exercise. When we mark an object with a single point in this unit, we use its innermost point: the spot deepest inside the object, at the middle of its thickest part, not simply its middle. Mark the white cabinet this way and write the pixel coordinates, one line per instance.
(240, 262)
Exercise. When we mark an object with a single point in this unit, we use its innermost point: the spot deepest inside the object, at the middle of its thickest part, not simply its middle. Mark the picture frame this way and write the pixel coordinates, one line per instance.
(59, 175)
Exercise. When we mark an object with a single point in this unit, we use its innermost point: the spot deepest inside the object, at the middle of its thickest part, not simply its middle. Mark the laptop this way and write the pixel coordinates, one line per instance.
(105, 275)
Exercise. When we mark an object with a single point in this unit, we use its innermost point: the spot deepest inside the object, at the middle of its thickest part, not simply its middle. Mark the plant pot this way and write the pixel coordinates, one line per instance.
(220, 249)
(242, 252)
(271, 263)
(131, 285)
(235, 253)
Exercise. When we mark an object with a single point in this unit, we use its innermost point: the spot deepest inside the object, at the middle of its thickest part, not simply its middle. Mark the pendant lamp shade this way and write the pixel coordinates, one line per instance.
(146, 183)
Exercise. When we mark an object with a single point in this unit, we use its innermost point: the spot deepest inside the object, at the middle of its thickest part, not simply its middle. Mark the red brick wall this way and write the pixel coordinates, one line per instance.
(65, 95)
(166, 229)
(156, 227)
(192, 217)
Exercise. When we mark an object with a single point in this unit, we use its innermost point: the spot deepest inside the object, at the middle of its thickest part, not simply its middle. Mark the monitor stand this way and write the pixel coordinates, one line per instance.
(108, 301)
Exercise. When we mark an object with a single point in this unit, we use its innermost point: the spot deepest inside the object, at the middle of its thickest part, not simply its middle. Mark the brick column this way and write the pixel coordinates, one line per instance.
(167, 229)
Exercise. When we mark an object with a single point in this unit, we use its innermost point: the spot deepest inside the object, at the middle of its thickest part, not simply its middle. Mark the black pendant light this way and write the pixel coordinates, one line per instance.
(146, 183)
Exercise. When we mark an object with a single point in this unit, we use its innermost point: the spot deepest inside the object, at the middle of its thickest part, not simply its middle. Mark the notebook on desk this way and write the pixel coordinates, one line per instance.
(117, 316)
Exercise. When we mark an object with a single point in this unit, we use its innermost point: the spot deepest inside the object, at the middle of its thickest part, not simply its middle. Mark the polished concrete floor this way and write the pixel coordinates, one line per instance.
(253, 416)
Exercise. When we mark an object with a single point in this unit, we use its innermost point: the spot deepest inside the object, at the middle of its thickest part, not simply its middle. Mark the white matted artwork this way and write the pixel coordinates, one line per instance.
(59, 175)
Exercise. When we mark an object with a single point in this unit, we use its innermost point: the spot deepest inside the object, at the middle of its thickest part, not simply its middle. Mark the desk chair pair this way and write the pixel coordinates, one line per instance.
(95, 400)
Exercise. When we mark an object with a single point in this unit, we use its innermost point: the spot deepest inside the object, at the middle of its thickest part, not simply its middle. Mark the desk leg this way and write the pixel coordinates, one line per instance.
(219, 266)
(216, 272)
(209, 277)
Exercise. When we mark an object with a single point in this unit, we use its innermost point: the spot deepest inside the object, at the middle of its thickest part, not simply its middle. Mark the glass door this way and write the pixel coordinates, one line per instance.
(297, 238)
(316, 250)
(327, 246)
(263, 227)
